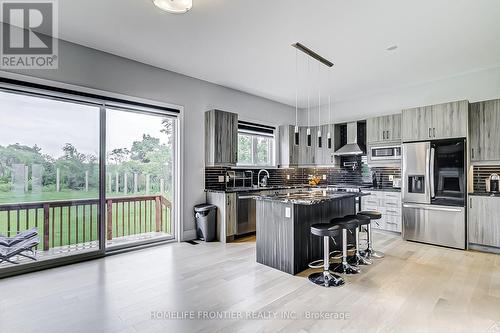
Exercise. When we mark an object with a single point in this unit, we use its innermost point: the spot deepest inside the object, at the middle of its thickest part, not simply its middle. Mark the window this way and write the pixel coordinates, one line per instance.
(71, 186)
(255, 145)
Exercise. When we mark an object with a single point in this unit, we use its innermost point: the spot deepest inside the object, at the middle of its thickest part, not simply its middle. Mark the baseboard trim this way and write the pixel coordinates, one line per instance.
(484, 248)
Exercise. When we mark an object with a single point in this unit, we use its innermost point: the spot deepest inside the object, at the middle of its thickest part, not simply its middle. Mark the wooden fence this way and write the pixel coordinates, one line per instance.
(74, 222)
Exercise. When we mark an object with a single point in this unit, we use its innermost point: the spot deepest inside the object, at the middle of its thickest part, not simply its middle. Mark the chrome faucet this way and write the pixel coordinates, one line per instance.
(263, 182)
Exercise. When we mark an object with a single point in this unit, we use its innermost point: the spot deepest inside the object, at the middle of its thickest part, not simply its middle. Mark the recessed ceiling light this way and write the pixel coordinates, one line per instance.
(174, 6)
(392, 48)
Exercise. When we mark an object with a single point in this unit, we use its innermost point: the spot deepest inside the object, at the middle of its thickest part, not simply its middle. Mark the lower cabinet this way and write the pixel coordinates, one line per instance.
(484, 221)
(226, 214)
(389, 204)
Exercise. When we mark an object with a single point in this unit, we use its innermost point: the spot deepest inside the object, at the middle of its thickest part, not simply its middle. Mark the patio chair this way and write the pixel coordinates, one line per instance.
(7, 252)
(22, 236)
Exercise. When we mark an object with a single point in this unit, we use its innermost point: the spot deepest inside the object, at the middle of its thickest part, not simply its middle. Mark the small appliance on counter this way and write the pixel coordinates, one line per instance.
(396, 183)
(493, 183)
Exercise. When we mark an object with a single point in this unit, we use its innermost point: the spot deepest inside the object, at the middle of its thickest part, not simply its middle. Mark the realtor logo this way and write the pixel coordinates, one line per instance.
(29, 34)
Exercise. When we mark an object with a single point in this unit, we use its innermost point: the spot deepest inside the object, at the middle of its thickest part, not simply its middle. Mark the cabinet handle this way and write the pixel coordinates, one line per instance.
(383, 135)
(387, 136)
(472, 152)
(434, 130)
(470, 203)
(430, 132)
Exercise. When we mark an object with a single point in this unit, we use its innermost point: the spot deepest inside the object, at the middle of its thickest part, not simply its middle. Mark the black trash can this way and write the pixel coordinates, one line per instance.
(206, 221)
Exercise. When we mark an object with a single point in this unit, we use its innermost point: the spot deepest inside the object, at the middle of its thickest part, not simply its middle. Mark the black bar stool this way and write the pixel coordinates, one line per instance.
(351, 225)
(363, 220)
(326, 278)
(370, 253)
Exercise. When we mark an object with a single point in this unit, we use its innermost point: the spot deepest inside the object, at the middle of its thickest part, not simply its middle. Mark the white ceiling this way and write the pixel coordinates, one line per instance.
(245, 44)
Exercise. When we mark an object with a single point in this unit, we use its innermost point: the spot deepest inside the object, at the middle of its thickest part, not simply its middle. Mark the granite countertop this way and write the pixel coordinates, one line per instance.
(486, 194)
(385, 189)
(310, 197)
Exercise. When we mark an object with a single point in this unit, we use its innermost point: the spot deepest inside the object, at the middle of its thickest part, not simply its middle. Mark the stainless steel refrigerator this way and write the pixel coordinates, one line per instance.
(434, 192)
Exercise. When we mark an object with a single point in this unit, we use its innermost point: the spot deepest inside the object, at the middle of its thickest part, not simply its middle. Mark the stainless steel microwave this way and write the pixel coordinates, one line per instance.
(385, 153)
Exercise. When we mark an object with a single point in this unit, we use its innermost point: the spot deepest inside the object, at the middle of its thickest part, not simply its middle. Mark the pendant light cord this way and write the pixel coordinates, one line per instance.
(296, 89)
(308, 93)
(319, 95)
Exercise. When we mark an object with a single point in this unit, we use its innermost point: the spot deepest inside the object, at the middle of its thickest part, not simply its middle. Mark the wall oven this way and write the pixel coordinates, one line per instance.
(385, 153)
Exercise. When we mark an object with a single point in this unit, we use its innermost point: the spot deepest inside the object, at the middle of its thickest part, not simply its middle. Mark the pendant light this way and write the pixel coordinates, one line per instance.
(308, 103)
(329, 135)
(296, 134)
(320, 144)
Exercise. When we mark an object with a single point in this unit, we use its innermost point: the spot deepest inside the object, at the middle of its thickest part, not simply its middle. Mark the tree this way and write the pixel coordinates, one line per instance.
(119, 155)
(140, 149)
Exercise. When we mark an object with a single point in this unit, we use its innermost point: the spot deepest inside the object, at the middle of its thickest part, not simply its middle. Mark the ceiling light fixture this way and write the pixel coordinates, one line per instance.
(174, 6)
(392, 48)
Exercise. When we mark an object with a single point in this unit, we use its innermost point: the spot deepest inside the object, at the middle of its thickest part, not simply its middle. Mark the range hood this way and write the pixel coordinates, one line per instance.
(352, 147)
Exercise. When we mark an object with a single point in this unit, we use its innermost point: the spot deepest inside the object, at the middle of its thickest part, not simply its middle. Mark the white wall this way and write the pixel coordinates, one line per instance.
(475, 86)
(94, 69)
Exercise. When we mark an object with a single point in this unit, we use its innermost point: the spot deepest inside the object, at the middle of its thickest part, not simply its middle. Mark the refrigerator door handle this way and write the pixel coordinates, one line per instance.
(431, 173)
(427, 176)
(435, 208)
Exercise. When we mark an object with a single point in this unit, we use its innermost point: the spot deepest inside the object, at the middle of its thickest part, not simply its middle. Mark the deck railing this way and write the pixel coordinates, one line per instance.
(72, 222)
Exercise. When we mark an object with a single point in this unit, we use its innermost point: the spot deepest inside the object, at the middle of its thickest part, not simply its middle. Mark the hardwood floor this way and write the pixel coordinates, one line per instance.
(416, 288)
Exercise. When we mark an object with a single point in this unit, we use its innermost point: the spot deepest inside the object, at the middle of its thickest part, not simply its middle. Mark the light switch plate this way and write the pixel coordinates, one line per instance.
(288, 212)
(221, 179)
(287, 177)
(391, 178)
(324, 177)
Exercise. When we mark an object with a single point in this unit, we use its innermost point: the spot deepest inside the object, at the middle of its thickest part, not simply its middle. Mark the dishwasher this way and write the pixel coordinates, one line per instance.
(246, 214)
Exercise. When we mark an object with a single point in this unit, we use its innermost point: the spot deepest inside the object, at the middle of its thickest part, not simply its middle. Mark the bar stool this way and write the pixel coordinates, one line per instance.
(363, 220)
(370, 253)
(325, 278)
(351, 225)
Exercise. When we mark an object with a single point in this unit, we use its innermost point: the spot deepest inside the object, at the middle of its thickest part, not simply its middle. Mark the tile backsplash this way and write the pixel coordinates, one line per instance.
(353, 170)
(481, 174)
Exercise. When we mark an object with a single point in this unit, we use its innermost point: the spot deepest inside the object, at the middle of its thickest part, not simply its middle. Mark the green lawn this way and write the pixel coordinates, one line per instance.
(77, 224)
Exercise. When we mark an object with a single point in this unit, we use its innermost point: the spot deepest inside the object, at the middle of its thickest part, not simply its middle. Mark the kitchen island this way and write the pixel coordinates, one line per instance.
(284, 240)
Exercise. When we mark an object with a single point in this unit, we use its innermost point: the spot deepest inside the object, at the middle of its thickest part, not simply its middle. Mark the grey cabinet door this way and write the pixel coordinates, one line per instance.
(231, 214)
(383, 129)
(417, 124)
(289, 152)
(484, 214)
(484, 124)
(393, 127)
(306, 152)
(221, 138)
(449, 120)
(373, 130)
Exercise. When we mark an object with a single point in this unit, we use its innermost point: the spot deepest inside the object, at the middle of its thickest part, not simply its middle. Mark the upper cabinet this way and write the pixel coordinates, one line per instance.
(484, 125)
(303, 154)
(289, 152)
(221, 138)
(383, 129)
(442, 121)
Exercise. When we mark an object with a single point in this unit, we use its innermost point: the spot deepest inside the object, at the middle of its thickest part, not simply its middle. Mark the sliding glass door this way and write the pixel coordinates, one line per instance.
(49, 179)
(79, 177)
(140, 177)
